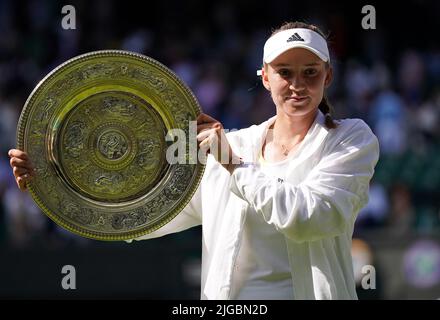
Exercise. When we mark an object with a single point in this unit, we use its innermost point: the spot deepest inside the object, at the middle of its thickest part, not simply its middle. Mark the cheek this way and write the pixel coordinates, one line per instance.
(315, 85)
(278, 85)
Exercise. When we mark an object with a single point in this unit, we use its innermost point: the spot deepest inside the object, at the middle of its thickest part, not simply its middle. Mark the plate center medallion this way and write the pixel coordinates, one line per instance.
(112, 145)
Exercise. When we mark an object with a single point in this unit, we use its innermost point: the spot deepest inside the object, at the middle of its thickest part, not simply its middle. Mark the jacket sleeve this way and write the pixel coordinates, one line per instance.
(189, 217)
(326, 203)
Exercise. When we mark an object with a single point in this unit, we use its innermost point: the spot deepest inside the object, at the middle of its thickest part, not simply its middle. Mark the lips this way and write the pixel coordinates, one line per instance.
(297, 98)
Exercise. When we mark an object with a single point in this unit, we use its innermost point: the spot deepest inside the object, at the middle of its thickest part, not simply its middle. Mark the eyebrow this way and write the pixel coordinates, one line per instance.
(287, 65)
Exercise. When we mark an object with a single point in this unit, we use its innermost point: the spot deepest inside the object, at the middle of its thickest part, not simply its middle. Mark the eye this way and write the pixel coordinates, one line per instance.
(310, 72)
(285, 73)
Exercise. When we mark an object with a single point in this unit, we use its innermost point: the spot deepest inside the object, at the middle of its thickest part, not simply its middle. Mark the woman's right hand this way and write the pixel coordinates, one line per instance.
(21, 167)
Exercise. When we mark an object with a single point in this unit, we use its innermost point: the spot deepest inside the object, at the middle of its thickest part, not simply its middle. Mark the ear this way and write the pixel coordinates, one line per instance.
(265, 78)
(329, 77)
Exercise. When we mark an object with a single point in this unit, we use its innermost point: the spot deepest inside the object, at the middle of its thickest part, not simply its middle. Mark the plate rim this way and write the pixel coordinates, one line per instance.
(20, 140)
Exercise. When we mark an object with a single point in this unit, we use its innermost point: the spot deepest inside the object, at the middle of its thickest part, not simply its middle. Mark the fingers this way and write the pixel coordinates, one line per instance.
(19, 158)
(19, 171)
(206, 139)
(22, 181)
(22, 177)
(18, 154)
(204, 118)
(213, 125)
(18, 162)
(22, 168)
(206, 133)
(204, 124)
(205, 145)
(212, 138)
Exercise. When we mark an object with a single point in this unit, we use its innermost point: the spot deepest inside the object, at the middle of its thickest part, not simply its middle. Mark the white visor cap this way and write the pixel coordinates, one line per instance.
(295, 38)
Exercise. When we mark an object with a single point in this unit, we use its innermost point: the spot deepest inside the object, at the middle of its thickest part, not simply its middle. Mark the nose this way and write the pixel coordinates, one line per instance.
(296, 83)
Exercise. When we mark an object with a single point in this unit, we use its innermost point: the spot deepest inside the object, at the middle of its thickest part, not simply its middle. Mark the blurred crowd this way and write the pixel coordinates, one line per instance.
(394, 87)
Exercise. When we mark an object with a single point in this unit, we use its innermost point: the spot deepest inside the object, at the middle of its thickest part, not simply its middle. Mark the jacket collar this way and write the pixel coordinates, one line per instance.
(313, 139)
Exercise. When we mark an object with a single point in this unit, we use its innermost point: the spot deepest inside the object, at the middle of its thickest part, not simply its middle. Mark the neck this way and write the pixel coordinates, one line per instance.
(287, 129)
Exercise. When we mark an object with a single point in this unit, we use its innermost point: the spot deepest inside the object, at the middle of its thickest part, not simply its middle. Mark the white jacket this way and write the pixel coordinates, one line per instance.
(315, 208)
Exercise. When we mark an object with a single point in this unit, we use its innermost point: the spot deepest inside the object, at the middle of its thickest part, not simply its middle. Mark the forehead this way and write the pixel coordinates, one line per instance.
(297, 57)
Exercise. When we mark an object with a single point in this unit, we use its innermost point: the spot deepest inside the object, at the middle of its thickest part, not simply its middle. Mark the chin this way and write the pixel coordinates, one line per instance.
(298, 111)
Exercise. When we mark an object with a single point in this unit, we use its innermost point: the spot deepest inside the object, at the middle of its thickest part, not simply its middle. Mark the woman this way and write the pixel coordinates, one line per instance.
(278, 222)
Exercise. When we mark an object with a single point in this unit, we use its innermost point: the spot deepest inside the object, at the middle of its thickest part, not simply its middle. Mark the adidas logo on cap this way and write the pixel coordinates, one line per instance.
(295, 37)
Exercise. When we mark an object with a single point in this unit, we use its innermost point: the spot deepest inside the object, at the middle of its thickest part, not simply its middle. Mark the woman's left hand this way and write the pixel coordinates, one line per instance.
(212, 139)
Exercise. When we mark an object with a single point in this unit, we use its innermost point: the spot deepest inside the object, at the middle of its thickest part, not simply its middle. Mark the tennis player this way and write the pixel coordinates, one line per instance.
(278, 215)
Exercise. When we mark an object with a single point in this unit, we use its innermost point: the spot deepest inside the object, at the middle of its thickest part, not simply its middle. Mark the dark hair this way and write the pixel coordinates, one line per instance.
(325, 106)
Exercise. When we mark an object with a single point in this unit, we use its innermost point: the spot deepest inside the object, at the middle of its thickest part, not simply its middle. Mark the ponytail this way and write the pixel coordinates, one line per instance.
(326, 109)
